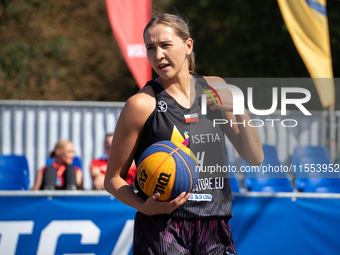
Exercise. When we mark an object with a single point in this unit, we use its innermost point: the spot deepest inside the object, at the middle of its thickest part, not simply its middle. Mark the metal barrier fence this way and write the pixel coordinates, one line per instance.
(32, 128)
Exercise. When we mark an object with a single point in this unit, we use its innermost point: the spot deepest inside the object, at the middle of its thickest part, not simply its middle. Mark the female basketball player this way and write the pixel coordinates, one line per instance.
(183, 225)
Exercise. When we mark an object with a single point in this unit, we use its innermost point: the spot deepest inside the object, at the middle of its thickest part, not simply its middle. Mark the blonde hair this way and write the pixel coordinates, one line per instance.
(59, 145)
(181, 29)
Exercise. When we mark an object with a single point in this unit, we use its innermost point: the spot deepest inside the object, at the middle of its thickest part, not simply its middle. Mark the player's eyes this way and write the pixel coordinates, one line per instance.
(149, 48)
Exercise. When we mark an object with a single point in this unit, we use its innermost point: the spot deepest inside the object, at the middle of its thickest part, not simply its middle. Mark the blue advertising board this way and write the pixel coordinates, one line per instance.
(286, 224)
(46, 225)
(89, 223)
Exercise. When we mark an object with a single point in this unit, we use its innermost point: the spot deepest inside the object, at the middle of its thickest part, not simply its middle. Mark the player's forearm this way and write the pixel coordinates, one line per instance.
(244, 138)
(121, 190)
(250, 141)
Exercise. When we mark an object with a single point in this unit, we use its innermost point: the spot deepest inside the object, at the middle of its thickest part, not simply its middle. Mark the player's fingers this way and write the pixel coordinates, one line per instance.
(155, 196)
(168, 206)
(213, 107)
(174, 203)
(187, 196)
(211, 100)
(181, 199)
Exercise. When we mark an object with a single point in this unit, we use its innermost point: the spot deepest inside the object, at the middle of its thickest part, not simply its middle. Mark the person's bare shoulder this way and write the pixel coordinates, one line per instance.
(214, 80)
(139, 106)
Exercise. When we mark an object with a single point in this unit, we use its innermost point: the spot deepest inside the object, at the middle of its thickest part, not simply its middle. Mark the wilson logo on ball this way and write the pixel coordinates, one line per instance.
(162, 182)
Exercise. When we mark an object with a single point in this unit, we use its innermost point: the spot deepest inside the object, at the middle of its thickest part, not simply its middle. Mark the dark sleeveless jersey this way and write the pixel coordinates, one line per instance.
(171, 121)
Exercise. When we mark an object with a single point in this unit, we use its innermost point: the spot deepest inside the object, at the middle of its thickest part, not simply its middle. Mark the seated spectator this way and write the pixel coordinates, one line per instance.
(98, 167)
(61, 174)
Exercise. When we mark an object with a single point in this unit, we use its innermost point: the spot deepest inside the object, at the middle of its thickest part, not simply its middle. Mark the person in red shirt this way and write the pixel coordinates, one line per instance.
(98, 167)
(61, 174)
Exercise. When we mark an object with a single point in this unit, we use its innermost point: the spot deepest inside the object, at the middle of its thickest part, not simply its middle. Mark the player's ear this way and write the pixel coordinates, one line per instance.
(190, 45)
(58, 151)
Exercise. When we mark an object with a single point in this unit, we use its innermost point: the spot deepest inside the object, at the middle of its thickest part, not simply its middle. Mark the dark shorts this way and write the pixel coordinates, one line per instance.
(163, 235)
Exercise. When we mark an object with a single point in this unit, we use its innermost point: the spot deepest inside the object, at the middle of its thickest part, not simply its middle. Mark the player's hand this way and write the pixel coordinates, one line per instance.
(224, 96)
(152, 206)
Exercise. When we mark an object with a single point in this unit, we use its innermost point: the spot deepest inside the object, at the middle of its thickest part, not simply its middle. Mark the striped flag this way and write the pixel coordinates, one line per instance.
(307, 24)
(189, 118)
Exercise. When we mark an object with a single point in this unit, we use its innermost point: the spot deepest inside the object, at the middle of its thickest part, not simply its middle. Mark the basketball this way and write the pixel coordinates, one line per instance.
(168, 168)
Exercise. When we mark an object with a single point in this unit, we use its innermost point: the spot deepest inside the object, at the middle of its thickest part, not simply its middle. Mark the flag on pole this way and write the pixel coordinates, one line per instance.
(307, 24)
(128, 19)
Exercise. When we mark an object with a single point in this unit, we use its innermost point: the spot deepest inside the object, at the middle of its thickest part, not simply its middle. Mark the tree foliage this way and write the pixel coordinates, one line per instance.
(248, 39)
(60, 50)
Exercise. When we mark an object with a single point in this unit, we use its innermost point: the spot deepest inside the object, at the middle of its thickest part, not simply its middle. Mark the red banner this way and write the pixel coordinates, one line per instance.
(128, 19)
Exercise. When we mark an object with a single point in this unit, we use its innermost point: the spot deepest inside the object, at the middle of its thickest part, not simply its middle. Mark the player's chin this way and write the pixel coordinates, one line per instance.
(69, 161)
(165, 75)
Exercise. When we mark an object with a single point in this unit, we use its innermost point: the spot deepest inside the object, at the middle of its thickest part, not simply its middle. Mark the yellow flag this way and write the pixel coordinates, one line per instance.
(307, 24)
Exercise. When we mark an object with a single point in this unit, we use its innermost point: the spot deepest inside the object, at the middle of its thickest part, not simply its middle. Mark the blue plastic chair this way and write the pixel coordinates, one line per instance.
(323, 185)
(76, 162)
(234, 184)
(268, 177)
(271, 185)
(269, 151)
(315, 175)
(10, 186)
(13, 161)
(13, 178)
(308, 151)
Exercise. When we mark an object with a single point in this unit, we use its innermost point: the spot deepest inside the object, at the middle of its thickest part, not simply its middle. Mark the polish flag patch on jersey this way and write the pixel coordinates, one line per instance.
(191, 117)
